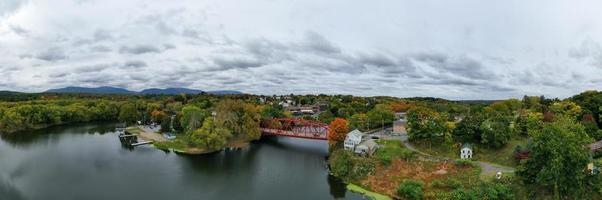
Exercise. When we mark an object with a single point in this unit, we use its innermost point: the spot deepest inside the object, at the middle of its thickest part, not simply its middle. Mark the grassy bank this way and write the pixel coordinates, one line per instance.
(376, 196)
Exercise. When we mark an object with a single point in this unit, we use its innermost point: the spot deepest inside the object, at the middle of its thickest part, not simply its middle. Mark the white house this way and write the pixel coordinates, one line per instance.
(353, 139)
(466, 151)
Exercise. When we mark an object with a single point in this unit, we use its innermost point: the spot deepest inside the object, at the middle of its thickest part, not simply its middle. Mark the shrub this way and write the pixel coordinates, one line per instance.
(345, 165)
(410, 189)
(408, 154)
(437, 184)
(453, 183)
(484, 191)
(464, 163)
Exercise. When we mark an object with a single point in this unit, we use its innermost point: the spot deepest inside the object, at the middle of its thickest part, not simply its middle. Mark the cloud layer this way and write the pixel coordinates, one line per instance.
(461, 50)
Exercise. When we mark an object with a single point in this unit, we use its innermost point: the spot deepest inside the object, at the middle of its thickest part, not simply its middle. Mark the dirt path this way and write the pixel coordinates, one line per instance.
(150, 135)
(487, 168)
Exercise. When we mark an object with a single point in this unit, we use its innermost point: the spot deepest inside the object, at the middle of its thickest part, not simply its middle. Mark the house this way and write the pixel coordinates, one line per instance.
(399, 126)
(466, 151)
(353, 139)
(366, 147)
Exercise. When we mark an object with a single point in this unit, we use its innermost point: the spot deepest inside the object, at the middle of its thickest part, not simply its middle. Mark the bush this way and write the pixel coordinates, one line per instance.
(484, 191)
(453, 183)
(464, 163)
(408, 154)
(345, 165)
(437, 184)
(410, 189)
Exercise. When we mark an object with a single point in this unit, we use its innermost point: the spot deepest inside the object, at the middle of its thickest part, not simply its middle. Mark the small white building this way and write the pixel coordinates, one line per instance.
(466, 151)
(366, 147)
(353, 139)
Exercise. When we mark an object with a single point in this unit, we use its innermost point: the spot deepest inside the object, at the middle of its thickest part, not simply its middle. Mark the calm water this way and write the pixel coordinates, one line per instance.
(88, 162)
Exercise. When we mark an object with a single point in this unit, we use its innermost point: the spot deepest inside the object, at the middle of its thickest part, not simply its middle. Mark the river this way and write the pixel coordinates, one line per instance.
(86, 161)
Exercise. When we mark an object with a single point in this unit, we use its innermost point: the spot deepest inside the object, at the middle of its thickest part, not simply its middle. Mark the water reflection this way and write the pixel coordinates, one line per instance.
(88, 162)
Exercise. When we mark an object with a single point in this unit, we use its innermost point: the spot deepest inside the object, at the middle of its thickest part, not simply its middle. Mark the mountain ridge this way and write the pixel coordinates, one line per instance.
(118, 90)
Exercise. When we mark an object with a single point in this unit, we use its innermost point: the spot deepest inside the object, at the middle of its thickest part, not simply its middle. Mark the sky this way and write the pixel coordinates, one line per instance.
(461, 49)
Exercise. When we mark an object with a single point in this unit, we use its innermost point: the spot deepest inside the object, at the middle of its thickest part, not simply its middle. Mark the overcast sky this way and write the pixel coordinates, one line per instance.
(461, 49)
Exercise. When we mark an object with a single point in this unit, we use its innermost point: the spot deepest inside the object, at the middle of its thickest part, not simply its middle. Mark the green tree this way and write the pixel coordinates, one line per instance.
(469, 128)
(241, 119)
(192, 118)
(495, 131)
(166, 123)
(558, 159)
(128, 113)
(358, 121)
(211, 136)
(527, 122)
(326, 117)
(380, 116)
(568, 108)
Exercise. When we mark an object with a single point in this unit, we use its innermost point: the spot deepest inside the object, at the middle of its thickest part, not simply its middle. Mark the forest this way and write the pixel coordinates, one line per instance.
(546, 140)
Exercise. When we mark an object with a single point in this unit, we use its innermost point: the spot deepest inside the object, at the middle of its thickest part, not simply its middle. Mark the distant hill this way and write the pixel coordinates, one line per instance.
(171, 91)
(96, 90)
(224, 92)
(116, 90)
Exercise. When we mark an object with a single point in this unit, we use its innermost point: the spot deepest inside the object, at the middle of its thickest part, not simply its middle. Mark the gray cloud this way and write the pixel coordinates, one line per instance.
(425, 50)
(139, 49)
(51, 54)
(135, 64)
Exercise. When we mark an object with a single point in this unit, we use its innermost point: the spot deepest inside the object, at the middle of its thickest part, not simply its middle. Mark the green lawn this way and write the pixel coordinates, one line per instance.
(503, 156)
(376, 196)
(133, 130)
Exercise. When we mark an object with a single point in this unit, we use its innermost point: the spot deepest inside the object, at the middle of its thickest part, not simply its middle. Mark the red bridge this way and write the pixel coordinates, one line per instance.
(294, 127)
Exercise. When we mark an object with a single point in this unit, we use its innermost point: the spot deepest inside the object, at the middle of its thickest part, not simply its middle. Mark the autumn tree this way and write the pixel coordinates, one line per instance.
(337, 131)
(157, 116)
(241, 119)
(567, 108)
(425, 124)
(528, 121)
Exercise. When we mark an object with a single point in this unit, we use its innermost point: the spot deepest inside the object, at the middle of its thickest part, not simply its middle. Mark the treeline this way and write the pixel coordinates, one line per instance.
(34, 114)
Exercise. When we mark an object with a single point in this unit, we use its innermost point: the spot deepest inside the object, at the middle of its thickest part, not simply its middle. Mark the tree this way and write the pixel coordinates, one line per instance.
(192, 118)
(326, 117)
(337, 131)
(241, 119)
(380, 116)
(270, 112)
(495, 131)
(558, 159)
(566, 108)
(358, 121)
(211, 136)
(469, 129)
(128, 113)
(345, 112)
(166, 124)
(527, 122)
(157, 116)
(425, 124)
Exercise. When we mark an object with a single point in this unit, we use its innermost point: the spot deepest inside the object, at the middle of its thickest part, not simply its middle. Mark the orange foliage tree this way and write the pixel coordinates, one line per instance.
(338, 131)
(400, 106)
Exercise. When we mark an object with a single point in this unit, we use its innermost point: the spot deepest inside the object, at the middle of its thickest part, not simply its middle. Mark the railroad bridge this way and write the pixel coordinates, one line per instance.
(295, 127)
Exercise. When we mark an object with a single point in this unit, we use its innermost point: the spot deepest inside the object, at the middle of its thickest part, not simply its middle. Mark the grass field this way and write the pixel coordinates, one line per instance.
(503, 156)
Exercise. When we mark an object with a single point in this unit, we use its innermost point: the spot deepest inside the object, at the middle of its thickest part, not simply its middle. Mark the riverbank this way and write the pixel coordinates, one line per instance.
(179, 145)
(375, 196)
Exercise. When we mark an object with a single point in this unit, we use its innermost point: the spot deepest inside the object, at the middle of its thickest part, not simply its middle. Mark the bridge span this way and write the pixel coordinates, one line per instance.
(295, 127)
